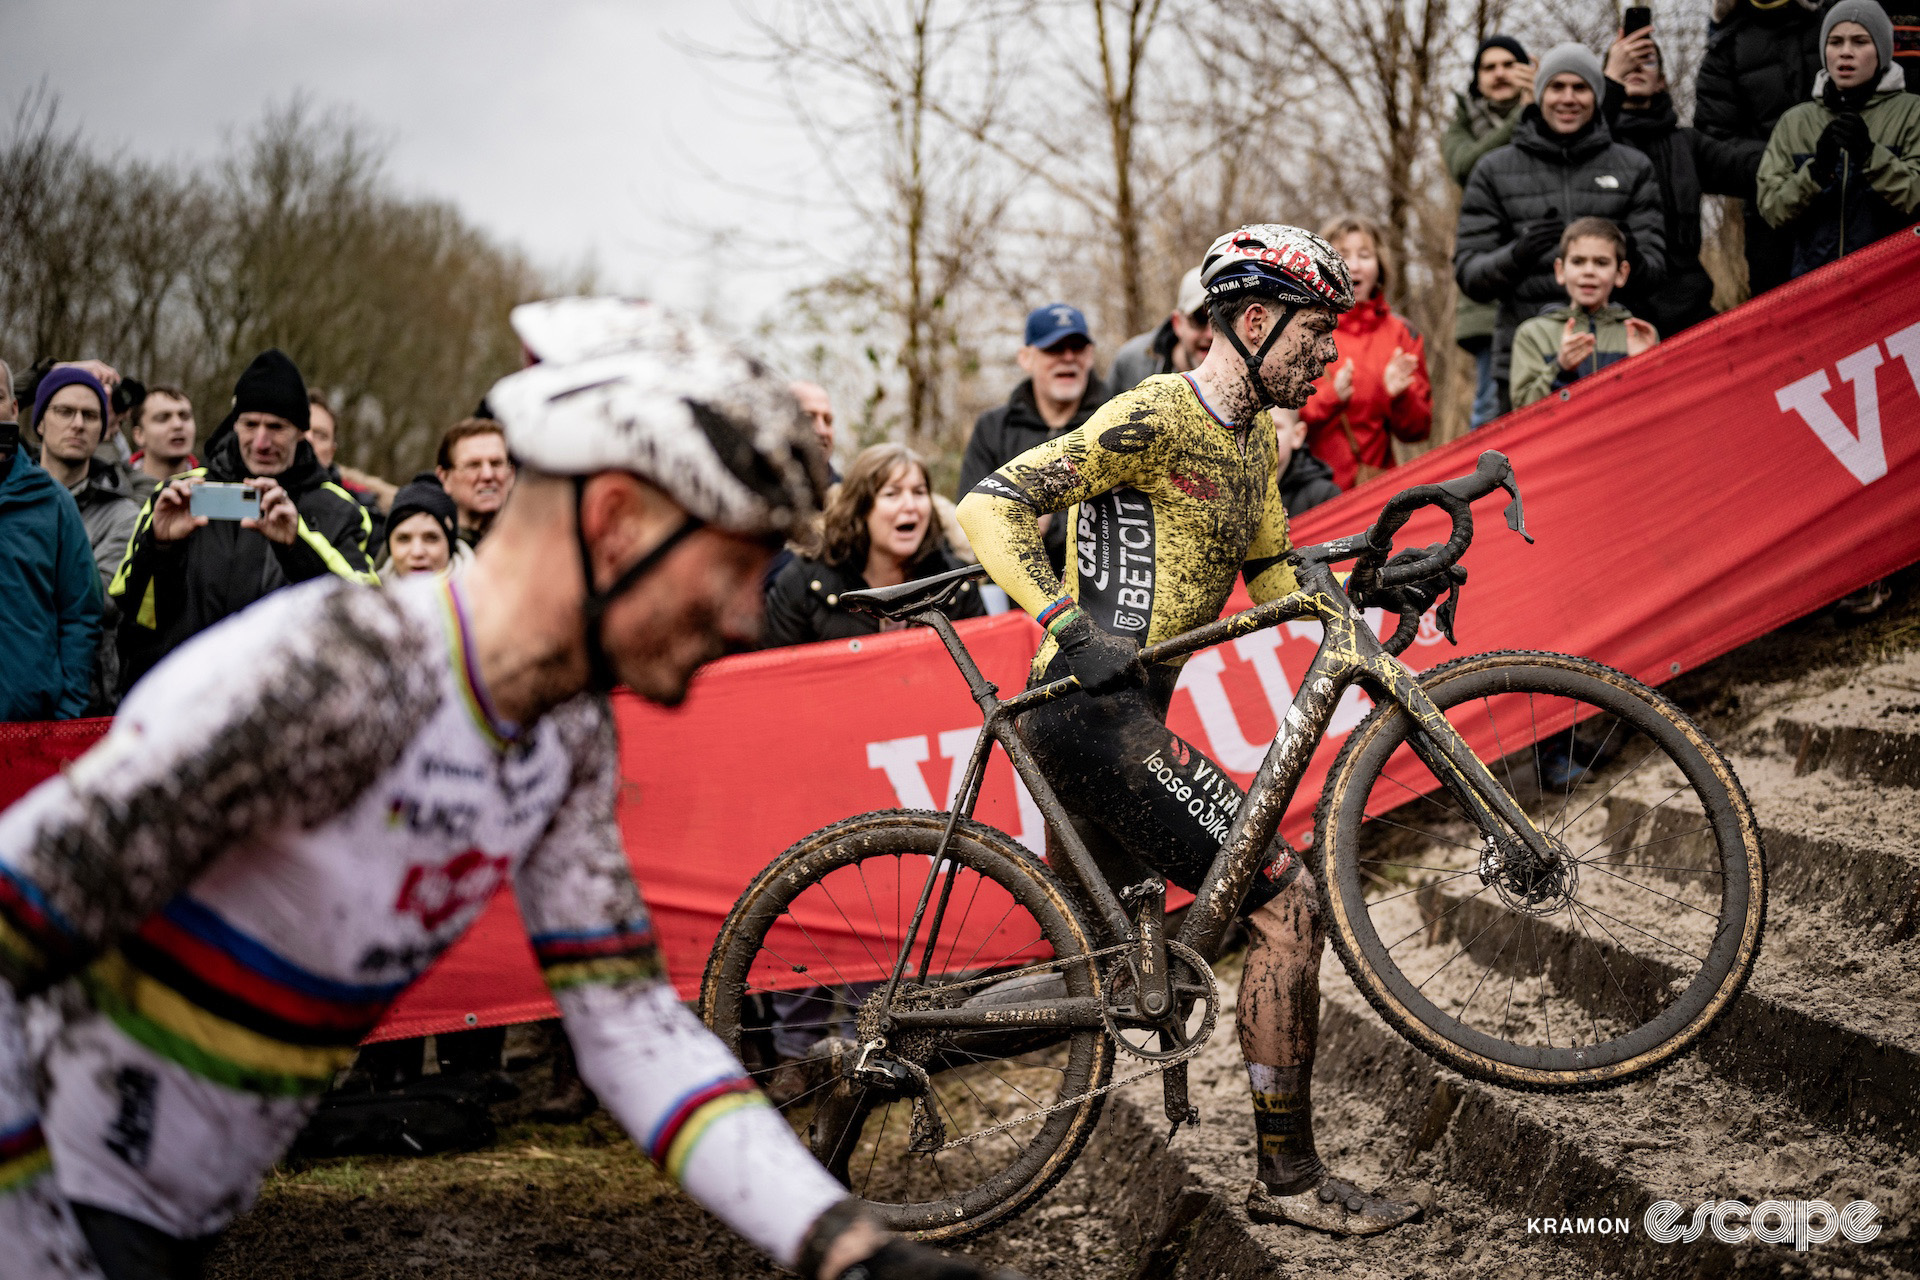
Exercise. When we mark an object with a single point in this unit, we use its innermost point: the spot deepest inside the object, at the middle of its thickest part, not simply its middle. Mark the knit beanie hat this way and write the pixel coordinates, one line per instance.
(69, 376)
(1873, 18)
(423, 493)
(271, 384)
(1573, 57)
(1508, 43)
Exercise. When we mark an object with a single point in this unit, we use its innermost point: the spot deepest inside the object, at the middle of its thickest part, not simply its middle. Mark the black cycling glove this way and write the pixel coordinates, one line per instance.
(904, 1260)
(1538, 240)
(1099, 660)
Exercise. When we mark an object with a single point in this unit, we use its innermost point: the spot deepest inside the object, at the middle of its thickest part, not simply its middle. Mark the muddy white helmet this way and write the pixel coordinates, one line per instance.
(1272, 260)
(625, 385)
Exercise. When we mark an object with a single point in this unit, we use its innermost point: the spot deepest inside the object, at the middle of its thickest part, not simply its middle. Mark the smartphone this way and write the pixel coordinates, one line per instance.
(218, 501)
(1637, 17)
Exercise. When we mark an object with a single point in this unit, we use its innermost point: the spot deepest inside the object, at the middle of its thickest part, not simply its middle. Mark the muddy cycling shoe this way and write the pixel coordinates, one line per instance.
(1336, 1206)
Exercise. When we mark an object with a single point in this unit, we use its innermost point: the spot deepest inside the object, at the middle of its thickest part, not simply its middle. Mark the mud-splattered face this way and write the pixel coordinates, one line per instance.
(1303, 353)
(702, 601)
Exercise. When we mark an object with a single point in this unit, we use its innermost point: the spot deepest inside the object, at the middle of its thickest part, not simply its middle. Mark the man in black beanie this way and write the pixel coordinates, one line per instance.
(182, 573)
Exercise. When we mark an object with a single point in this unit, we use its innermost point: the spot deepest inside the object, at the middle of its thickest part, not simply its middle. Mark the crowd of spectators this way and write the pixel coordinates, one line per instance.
(1579, 244)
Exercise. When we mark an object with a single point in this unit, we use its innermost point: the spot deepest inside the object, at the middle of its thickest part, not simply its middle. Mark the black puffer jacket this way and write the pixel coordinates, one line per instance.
(803, 600)
(1686, 165)
(1003, 433)
(1543, 174)
(169, 592)
(1758, 64)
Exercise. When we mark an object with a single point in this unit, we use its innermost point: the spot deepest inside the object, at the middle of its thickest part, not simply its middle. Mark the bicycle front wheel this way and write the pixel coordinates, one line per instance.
(1589, 969)
(943, 1132)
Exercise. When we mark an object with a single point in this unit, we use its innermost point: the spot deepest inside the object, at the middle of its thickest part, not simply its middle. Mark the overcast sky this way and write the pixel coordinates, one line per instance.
(574, 128)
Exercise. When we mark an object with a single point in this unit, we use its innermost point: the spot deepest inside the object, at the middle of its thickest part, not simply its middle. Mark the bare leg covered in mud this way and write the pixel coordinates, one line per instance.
(1149, 803)
(1279, 1023)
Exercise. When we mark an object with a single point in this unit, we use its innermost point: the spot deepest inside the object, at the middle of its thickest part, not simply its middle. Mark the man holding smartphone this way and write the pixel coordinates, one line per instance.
(191, 564)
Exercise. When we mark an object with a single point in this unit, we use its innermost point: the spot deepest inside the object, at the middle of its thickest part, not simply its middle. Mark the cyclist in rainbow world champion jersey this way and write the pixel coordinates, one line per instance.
(1173, 489)
(314, 799)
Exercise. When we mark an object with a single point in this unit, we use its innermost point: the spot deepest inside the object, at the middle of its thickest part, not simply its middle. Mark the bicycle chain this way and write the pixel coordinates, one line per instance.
(1199, 1043)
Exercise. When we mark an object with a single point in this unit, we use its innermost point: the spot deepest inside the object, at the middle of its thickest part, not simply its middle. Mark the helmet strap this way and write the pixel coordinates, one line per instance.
(600, 674)
(1263, 398)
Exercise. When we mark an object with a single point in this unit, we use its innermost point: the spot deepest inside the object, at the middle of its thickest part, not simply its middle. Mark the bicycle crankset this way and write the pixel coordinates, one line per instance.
(1174, 1035)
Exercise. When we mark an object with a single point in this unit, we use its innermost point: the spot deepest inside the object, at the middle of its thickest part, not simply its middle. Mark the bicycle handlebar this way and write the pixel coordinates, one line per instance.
(1455, 497)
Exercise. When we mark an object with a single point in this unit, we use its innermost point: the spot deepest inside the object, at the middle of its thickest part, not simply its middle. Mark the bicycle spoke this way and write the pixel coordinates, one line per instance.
(1643, 933)
(1630, 821)
(1427, 796)
(1591, 1022)
(1513, 927)
(1464, 948)
(1428, 834)
(1428, 924)
(1633, 1010)
(1455, 875)
(1650, 889)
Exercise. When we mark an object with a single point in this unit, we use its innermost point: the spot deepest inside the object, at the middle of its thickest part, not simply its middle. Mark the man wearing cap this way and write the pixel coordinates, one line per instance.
(1562, 164)
(71, 413)
(183, 573)
(1178, 345)
(1060, 392)
(1483, 120)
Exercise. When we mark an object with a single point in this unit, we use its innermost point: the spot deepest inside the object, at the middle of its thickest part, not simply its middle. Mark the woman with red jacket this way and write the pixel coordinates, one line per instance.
(1379, 382)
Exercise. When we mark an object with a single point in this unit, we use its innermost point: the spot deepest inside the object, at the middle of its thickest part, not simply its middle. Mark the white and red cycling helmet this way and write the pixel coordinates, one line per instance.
(1290, 265)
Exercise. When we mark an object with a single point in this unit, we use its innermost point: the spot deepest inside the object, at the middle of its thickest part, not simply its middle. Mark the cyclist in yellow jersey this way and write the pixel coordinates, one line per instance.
(1172, 490)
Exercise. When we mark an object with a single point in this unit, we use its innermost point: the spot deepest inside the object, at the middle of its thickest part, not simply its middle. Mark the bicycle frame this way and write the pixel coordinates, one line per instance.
(1349, 652)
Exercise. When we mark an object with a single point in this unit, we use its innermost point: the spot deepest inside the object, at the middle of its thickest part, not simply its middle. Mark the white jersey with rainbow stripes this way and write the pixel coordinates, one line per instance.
(292, 817)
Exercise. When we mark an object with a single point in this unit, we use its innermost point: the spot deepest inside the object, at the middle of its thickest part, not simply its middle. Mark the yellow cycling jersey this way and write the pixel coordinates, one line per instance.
(1167, 502)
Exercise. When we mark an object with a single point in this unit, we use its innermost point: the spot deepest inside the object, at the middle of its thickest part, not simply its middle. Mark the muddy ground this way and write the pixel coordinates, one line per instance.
(580, 1201)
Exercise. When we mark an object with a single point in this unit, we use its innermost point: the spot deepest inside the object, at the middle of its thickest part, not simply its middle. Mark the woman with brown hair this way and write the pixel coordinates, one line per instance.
(879, 530)
(1378, 385)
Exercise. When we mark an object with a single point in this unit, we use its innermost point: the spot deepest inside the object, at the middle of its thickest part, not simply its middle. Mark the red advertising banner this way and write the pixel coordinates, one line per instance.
(1739, 475)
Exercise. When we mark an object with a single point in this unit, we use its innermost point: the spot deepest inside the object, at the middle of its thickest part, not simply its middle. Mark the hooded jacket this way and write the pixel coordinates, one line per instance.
(1536, 349)
(109, 512)
(171, 591)
(1478, 127)
(1002, 434)
(1367, 336)
(803, 600)
(1541, 174)
(1686, 165)
(1828, 218)
(51, 622)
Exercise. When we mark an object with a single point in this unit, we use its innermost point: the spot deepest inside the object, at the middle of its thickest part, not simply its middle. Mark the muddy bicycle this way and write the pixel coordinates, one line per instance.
(1535, 868)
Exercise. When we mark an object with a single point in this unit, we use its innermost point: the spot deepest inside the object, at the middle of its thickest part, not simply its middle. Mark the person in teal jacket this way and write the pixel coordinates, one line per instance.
(51, 620)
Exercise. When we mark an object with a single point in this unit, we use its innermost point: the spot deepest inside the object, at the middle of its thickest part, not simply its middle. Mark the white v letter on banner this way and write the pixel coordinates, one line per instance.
(1860, 450)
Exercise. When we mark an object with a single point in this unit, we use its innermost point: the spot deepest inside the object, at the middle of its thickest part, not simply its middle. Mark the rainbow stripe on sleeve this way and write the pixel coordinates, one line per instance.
(623, 953)
(23, 1156)
(673, 1141)
(34, 936)
(196, 990)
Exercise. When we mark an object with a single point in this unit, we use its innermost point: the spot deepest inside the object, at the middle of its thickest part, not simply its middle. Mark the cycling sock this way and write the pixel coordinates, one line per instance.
(1283, 1119)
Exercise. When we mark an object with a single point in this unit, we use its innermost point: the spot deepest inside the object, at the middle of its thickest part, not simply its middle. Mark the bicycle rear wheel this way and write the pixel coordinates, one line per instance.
(1595, 968)
(969, 1135)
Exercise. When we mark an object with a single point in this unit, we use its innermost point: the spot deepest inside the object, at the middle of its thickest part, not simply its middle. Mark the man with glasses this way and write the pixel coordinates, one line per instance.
(1060, 392)
(476, 472)
(1178, 345)
(184, 572)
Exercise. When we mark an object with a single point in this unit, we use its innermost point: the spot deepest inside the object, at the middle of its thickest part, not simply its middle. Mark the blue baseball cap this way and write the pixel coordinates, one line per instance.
(1053, 324)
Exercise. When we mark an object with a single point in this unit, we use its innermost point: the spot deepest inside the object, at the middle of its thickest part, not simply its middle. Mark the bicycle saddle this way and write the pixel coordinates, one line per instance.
(909, 598)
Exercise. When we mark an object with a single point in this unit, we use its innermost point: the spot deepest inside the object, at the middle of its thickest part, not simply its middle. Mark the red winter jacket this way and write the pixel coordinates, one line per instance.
(1367, 335)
